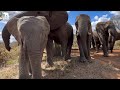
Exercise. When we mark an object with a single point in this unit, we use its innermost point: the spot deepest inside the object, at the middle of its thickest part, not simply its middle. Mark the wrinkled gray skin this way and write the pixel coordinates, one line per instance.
(96, 41)
(64, 37)
(84, 35)
(113, 35)
(55, 19)
(103, 37)
(32, 35)
(105, 30)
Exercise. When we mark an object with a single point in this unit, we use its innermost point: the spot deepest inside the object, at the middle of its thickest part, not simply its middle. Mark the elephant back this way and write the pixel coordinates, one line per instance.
(57, 19)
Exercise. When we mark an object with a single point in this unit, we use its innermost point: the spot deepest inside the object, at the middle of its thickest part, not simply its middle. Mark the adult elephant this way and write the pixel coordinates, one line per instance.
(114, 35)
(64, 37)
(96, 41)
(105, 30)
(32, 35)
(55, 19)
(84, 35)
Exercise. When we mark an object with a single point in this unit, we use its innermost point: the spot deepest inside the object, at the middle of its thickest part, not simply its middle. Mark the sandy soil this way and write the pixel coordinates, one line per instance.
(100, 68)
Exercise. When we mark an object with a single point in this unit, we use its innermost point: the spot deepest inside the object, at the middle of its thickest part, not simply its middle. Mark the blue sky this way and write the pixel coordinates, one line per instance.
(96, 16)
(92, 14)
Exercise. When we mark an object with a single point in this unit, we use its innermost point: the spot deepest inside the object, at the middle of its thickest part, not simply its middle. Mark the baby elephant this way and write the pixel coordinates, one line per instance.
(32, 35)
(84, 36)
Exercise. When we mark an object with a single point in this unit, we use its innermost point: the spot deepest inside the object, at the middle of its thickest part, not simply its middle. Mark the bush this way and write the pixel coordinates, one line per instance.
(7, 57)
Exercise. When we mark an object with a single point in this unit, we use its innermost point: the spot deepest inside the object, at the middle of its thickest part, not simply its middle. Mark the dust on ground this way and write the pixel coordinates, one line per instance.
(100, 68)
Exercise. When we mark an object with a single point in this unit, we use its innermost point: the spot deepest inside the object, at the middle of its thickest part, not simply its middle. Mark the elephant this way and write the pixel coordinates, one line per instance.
(92, 44)
(105, 30)
(31, 34)
(64, 37)
(56, 19)
(96, 41)
(84, 36)
(113, 35)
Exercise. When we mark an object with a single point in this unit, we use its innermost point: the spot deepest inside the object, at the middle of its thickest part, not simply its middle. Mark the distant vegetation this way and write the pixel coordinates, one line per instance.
(6, 57)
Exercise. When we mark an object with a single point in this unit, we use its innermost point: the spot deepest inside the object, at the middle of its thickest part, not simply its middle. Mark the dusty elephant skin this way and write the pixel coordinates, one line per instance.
(32, 35)
(113, 35)
(62, 36)
(107, 35)
(103, 37)
(84, 35)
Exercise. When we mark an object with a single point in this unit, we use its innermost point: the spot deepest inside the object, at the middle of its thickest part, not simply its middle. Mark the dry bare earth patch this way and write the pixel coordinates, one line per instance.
(101, 68)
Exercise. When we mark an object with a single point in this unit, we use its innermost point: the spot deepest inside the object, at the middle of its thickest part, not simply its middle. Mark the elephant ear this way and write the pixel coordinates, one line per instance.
(109, 23)
(57, 19)
(13, 28)
(76, 22)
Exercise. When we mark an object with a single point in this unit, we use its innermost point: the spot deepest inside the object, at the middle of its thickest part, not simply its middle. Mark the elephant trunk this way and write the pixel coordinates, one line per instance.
(6, 38)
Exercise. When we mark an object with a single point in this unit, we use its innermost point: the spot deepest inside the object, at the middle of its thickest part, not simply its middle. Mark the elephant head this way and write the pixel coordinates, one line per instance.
(79, 26)
(55, 18)
(112, 34)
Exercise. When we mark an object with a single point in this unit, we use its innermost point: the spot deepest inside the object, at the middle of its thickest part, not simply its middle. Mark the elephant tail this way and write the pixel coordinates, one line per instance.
(6, 37)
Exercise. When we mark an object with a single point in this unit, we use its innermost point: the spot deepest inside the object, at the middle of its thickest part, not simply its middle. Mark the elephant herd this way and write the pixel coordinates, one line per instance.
(37, 30)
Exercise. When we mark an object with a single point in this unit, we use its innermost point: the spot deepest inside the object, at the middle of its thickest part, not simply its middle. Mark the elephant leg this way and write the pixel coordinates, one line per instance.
(88, 47)
(64, 50)
(93, 43)
(23, 65)
(97, 45)
(82, 56)
(69, 52)
(57, 50)
(105, 47)
(105, 51)
(49, 49)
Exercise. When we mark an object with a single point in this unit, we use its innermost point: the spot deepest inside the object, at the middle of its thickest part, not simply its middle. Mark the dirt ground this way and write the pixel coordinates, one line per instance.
(100, 68)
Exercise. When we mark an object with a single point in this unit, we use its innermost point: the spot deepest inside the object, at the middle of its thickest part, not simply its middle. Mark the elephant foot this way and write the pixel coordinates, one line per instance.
(50, 62)
(105, 55)
(83, 60)
(67, 57)
(89, 60)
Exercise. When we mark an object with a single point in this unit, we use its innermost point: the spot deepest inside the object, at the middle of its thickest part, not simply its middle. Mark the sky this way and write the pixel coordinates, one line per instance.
(95, 16)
